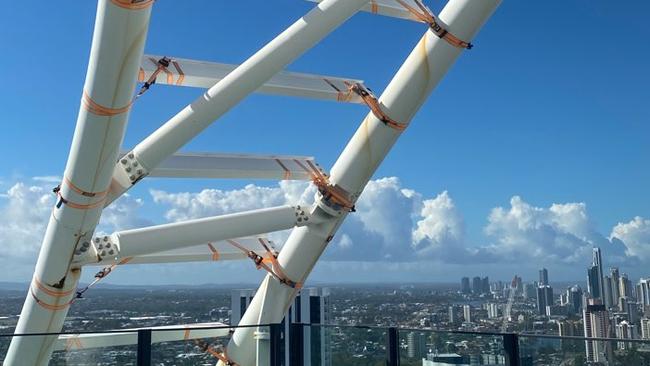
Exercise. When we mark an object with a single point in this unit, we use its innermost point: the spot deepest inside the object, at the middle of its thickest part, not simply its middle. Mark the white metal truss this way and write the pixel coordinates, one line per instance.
(92, 179)
(236, 166)
(202, 74)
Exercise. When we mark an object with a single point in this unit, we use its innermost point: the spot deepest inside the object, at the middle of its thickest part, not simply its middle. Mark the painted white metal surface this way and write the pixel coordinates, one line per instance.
(390, 8)
(168, 333)
(235, 166)
(213, 251)
(204, 74)
(117, 48)
(224, 95)
(154, 239)
(423, 69)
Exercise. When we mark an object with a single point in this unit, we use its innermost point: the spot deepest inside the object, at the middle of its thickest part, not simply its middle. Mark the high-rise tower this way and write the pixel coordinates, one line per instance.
(543, 277)
(595, 274)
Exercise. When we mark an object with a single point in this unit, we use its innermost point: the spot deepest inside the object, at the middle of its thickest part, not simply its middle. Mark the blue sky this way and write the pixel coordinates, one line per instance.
(551, 105)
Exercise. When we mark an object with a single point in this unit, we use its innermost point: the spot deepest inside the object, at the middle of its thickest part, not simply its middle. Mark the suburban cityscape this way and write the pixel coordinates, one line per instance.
(435, 320)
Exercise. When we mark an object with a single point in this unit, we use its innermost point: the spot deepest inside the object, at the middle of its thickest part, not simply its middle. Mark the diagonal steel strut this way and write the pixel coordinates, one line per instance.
(421, 72)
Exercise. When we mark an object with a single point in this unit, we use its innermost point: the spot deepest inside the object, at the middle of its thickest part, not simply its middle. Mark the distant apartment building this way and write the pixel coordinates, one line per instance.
(643, 292)
(467, 313)
(493, 310)
(530, 291)
(477, 285)
(596, 286)
(544, 299)
(464, 285)
(485, 285)
(543, 277)
(311, 306)
(416, 346)
(454, 317)
(596, 325)
(625, 330)
(616, 293)
(569, 328)
(625, 287)
(645, 328)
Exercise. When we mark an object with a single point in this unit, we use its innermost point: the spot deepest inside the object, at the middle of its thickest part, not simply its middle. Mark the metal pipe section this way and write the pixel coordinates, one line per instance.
(117, 48)
(224, 95)
(154, 239)
(420, 73)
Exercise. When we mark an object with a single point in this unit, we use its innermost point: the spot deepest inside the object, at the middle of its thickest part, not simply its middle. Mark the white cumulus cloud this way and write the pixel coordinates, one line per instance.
(560, 233)
(636, 237)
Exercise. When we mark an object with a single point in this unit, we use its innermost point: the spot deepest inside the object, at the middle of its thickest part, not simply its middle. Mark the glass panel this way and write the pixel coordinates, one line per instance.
(424, 348)
(105, 356)
(86, 349)
(188, 347)
(541, 351)
(350, 346)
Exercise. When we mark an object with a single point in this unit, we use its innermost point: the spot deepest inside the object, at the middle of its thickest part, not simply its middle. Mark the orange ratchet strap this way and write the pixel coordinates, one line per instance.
(53, 293)
(371, 101)
(62, 200)
(425, 15)
(331, 193)
(162, 65)
(100, 110)
(261, 263)
(51, 307)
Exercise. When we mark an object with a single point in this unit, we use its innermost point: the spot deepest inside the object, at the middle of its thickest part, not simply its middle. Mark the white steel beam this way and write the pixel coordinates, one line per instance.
(118, 41)
(212, 251)
(154, 239)
(168, 333)
(235, 166)
(421, 72)
(203, 74)
(390, 8)
(224, 95)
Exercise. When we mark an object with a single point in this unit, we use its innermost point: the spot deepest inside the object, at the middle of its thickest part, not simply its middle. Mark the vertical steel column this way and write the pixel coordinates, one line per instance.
(392, 348)
(144, 347)
(511, 349)
(118, 41)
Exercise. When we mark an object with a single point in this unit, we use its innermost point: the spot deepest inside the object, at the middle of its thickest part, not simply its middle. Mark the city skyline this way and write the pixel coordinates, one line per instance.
(493, 191)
